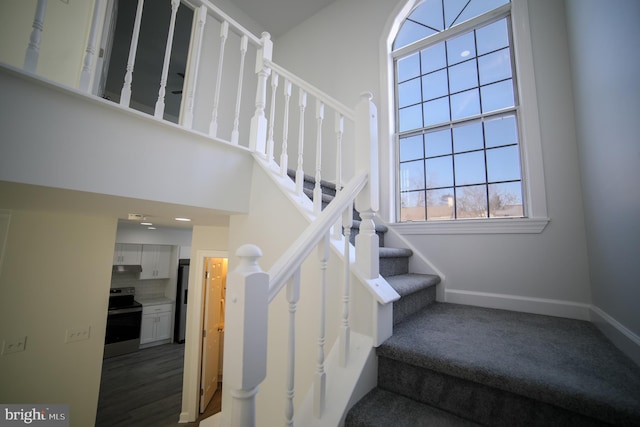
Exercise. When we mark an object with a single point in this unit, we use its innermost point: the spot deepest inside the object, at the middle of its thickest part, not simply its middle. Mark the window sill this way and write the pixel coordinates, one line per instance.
(474, 226)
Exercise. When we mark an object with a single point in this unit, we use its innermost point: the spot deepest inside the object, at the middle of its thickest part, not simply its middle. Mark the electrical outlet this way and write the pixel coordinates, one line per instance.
(77, 334)
(14, 345)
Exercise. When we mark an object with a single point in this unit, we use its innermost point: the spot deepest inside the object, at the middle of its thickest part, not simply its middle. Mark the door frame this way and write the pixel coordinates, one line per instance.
(193, 337)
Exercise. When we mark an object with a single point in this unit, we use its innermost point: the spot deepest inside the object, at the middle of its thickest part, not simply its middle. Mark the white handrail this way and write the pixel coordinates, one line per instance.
(287, 264)
(313, 91)
(255, 40)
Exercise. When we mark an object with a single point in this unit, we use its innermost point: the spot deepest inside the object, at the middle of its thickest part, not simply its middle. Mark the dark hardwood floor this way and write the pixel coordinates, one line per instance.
(145, 389)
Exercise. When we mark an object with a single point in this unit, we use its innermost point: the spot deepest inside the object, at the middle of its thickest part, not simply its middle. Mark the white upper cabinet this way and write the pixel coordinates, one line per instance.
(127, 254)
(156, 262)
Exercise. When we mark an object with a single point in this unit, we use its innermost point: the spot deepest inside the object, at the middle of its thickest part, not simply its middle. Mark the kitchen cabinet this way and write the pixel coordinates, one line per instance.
(155, 261)
(156, 323)
(127, 254)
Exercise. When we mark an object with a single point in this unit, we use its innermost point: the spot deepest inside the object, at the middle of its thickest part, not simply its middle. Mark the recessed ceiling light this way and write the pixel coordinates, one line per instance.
(146, 223)
(183, 219)
(151, 228)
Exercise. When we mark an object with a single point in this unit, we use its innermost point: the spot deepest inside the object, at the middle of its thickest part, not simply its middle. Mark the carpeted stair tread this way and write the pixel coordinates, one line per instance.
(406, 284)
(563, 362)
(395, 252)
(380, 408)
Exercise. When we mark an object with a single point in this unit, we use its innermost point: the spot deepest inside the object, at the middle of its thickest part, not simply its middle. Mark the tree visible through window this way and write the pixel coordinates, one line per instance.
(457, 112)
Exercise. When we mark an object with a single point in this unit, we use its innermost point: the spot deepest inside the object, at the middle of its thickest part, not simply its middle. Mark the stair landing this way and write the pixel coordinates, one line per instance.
(499, 367)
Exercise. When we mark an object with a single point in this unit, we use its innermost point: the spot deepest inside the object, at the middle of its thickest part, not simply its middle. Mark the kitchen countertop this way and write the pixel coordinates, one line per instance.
(155, 301)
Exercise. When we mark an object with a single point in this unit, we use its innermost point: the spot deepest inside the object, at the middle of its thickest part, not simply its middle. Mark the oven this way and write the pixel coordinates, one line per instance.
(123, 322)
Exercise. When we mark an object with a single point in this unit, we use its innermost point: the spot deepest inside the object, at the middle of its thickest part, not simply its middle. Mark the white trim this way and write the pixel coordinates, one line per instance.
(625, 339)
(545, 306)
(529, 126)
(193, 351)
(472, 226)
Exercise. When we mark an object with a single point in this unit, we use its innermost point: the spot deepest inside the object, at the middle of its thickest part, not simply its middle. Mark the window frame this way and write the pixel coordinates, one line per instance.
(532, 173)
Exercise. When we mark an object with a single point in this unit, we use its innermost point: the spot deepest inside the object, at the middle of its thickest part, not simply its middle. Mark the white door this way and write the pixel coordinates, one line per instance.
(214, 283)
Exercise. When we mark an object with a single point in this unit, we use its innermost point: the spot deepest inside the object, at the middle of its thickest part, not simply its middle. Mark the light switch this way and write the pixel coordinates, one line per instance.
(77, 334)
(14, 345)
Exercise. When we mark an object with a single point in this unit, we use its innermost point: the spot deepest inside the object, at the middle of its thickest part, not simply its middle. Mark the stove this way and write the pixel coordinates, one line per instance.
(123, 322)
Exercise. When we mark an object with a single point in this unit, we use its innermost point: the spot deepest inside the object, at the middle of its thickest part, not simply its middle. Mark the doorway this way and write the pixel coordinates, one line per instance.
(194, 349)
(214, 291)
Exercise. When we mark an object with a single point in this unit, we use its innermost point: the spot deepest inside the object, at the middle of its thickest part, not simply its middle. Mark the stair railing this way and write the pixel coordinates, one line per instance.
(251, 290)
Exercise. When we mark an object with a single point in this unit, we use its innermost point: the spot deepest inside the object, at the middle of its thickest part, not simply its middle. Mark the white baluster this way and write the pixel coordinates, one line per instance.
(245, 349)
(224, 33)
(272, 116)
(159, 110)
(293, 296)
(125, 95)
(33, 49)
(192, 82)
(320, 384)
(345, 328)
(235, 134)
(284, 158)
(258, 133)
(339, 130)
(302, 104)
(90, 52)
(317, 190)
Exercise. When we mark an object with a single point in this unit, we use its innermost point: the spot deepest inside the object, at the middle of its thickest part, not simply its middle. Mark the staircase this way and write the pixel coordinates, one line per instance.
(455, 365)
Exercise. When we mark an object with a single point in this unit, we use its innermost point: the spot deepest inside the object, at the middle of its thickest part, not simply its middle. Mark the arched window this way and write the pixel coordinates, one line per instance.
(458, 118)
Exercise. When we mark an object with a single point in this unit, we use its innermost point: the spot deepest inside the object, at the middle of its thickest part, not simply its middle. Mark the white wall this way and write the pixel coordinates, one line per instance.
(338, 49)
(55, 276)
(116, 152)
(606, 88)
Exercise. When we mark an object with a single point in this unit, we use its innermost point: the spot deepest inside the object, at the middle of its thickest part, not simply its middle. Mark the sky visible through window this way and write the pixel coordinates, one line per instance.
(459, 154)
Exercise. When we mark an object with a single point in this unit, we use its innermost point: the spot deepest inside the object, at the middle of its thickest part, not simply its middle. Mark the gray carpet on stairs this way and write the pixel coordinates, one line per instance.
(562, 362)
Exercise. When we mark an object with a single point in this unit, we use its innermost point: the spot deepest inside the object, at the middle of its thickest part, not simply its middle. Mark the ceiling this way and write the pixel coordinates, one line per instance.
(14, 196)
(279, 16)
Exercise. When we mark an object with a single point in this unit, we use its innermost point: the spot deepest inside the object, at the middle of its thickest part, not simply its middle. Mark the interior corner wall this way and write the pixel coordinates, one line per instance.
(55, 276)
(338, 50)
(606, 88)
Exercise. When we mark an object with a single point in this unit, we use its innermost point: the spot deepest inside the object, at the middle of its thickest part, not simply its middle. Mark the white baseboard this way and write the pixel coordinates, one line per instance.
(620, 335)
(544, 306)
(626, 340)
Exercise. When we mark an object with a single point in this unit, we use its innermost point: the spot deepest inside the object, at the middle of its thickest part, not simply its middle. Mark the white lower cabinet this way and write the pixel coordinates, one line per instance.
(156, 323)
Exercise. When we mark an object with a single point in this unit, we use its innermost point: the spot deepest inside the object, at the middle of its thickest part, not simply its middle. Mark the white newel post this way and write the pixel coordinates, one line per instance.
(258, 138)
(245, 349)
(90, 52)
(33, 49)
(367, 203)
(125, 95)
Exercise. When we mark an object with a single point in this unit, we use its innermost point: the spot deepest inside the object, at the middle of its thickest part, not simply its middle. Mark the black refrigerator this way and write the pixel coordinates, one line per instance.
(181, 300)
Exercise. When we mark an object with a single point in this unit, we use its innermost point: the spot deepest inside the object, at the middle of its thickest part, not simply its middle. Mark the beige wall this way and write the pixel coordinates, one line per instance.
(55, 276)
(63, 42)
